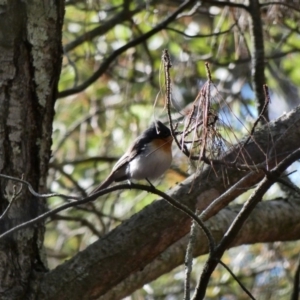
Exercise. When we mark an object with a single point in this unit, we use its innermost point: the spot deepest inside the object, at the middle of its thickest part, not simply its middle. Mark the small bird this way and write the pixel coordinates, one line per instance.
(148, 157)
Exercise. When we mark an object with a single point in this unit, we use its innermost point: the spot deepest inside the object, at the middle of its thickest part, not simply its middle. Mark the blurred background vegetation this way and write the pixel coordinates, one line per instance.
(110, 90)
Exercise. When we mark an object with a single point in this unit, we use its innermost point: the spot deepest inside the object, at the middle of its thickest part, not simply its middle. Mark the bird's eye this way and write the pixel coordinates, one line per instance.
(166, 133)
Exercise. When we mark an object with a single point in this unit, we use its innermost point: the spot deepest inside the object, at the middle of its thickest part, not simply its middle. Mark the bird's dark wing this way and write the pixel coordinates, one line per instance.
(136, 148)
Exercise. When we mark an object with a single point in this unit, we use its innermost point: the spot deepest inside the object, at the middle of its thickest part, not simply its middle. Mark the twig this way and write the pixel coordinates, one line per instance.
(189, 121)
(34, 193)
(205, 113)
(237, 280)
(290, 185)
(13, 198)
(167, 65)
(267, 101)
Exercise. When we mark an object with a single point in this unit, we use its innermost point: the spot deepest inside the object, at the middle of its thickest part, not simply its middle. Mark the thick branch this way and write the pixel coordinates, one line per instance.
(138, 241)
(261, 227)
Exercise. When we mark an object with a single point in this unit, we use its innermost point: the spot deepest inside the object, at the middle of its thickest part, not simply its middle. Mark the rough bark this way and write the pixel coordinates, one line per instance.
(30, 61)
(261, 227)
(134, 244)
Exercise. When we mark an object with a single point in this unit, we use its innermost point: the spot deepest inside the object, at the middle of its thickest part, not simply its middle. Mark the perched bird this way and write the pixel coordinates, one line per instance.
(148, 157)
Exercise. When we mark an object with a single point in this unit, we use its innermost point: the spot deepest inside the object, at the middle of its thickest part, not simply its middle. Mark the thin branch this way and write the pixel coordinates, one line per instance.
(167, 65)
(205, 112)
(34, 193)
(202, 35)
(224, 199)
(222, 63)
(93, 197)
(150, 77)
(82, 221)
(123, 16)
(188, 261)
(74, 126)
(240, 31)
(86, 160)
(75, 183)
(258, 55)
(261, 115)
(295, 295)
(193, 11)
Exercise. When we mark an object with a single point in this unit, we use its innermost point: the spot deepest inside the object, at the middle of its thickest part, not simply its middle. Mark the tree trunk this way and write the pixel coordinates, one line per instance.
(30, 62)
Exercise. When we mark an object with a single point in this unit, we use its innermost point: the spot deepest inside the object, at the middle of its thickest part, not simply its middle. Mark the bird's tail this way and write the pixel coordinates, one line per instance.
(107, 182)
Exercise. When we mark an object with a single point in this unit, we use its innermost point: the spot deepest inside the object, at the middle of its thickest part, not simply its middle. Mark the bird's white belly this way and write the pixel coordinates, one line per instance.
(150, 165)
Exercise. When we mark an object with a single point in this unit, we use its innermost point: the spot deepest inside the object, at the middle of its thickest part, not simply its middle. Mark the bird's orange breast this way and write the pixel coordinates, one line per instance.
(163, 144)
